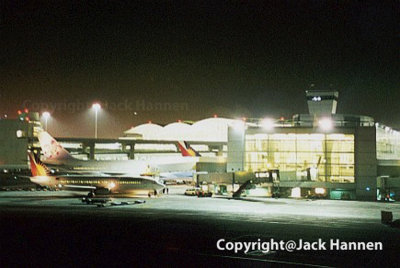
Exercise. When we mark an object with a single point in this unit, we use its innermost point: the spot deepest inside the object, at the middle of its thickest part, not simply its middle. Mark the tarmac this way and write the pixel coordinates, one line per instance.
(56, 228)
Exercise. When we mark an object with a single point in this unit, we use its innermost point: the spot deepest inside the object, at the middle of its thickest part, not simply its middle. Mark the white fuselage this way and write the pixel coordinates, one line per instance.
(136, 167)
(113, 184)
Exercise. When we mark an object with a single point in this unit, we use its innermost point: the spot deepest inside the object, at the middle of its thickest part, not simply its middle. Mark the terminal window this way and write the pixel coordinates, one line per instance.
(387, 144)
(315, 157)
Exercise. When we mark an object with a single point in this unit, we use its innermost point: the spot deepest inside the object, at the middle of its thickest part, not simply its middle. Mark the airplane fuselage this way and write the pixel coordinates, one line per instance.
(110, 184)
(123, 166)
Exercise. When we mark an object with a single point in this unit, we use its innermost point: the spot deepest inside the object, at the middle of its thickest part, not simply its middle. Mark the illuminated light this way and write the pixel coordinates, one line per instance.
(239, 125)
(26, 110)
(19, 133)
(267, 124)
(320, 190)
(111, 185)
(19, 112)
(325, 124)
(296, 192)
(96, 106)
(368, 188)
(46, 115)
(316, 98)
(215, 115)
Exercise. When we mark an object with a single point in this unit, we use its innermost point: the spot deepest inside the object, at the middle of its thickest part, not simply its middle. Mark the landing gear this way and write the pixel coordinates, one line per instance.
(91, 194)
(155, 193)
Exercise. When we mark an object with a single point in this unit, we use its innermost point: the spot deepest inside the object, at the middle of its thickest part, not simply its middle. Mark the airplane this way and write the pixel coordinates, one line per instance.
(186, 151)
(93, 183)
(59, 158)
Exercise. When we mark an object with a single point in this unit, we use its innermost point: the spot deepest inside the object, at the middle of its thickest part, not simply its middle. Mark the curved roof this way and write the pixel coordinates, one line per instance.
(209, 129)
(176, 131)
(150, 131)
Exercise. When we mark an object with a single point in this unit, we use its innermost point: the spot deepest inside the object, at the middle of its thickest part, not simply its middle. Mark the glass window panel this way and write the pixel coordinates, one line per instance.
(303, 156)
(387, 143)
(340, 158)
(340, 137)
(308, 159)
(340, 146)
(310, 146)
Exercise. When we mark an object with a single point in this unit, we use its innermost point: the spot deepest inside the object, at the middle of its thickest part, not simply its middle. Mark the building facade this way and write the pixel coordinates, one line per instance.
(16, 136)
(341, 161)
(321, 154)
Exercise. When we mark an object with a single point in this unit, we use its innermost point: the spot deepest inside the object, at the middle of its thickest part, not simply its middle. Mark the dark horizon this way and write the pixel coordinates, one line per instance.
(240, 59)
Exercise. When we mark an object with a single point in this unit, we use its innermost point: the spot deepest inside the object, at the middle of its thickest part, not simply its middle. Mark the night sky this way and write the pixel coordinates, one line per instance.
(188, 61)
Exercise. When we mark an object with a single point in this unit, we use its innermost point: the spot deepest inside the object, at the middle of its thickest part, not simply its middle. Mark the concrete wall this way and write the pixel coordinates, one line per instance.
(322, 102)
(226, 177)
(235, 158)
(365, 163)
(13, 150)
(215, 178)
(211, 167)
(389, 170)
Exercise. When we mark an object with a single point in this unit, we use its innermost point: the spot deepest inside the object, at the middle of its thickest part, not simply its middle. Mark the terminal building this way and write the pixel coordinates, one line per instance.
(321, 153)
(15, 139)
(318, 154)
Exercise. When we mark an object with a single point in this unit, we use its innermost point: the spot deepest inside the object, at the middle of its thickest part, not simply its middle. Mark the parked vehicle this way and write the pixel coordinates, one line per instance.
(192, 191)
(202, 193)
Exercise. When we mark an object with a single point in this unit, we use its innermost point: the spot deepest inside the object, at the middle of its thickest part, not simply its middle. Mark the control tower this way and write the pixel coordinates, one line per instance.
(322, 102)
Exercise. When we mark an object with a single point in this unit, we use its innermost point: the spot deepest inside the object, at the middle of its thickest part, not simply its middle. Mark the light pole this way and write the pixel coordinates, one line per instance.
(46, 116)
(96, 107)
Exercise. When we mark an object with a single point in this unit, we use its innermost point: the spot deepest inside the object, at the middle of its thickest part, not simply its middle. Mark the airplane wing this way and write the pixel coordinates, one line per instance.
(80, 187)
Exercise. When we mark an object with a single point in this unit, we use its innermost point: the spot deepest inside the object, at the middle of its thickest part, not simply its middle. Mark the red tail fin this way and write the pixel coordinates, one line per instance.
(186, 150)
(37, 168)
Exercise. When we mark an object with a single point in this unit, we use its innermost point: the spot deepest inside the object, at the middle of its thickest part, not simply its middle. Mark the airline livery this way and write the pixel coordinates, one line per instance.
(186, 149)
(93, 183)
(55, 155)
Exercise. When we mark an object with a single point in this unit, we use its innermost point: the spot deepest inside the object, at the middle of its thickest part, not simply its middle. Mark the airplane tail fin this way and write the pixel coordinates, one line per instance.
(186, 149)
(37, 167)
(51, 149)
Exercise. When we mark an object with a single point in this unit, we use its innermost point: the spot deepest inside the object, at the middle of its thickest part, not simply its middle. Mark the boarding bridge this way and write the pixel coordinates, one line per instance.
(270, 176)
